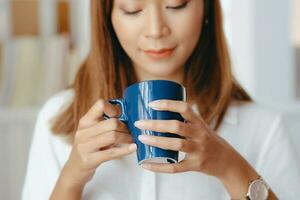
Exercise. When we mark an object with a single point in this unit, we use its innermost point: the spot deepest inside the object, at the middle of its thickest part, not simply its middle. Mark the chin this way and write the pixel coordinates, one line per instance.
(161, 71)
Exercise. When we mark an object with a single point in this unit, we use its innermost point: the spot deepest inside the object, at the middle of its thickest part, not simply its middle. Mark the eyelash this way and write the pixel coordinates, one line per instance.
(182, 6)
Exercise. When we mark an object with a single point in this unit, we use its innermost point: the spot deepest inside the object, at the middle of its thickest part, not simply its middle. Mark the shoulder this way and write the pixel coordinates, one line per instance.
(47, 151)
(253, 129)
(253, 113)
(43, 138)
(53, 106)
(259, 134)
(56, 104)
(252, 122)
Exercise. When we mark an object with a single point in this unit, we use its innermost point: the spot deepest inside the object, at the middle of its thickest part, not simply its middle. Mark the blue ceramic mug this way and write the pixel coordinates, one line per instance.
(134, 106)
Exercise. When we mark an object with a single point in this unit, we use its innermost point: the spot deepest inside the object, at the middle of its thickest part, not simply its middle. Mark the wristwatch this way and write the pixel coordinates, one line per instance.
(258, 190)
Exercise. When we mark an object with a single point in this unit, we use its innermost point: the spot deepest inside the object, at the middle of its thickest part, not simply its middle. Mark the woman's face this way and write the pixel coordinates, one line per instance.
(158, 35)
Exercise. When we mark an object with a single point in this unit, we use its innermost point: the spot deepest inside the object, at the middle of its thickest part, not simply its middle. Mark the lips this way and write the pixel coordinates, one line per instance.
(161, 53)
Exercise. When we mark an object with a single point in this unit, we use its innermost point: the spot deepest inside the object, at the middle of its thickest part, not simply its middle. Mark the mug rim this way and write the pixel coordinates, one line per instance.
(154, 80)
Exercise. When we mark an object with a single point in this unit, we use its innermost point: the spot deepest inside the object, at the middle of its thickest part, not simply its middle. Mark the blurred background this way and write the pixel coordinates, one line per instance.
(42, 43)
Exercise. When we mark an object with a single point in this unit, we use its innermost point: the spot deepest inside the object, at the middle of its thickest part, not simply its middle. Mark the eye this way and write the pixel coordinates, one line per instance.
(168, 7)
(178, 7)
(131, 12)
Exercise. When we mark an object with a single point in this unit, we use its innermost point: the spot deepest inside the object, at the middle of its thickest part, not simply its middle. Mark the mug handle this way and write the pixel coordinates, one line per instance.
(121, 103)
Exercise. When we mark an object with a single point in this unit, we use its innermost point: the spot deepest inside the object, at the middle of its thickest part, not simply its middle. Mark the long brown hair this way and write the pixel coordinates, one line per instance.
(107, 71)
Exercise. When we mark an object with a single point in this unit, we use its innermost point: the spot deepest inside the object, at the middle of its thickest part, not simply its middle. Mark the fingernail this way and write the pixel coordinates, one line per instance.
(138, 123)
(145, 138)
(146, 166)
(153, 104)
(132, 147)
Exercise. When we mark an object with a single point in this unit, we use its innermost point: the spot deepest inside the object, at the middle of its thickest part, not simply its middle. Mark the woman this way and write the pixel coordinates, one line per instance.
(231, 150)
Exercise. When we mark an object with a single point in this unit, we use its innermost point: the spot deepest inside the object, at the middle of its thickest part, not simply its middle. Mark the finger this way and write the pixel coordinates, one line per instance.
(182, 166)
(110, 154)
(165, 126)
(112, 124)
(96, 112)
(107, 139)
(175, 144)
(180, 107)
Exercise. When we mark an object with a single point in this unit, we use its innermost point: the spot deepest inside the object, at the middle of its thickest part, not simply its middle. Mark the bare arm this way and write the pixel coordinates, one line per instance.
(65, 190)
(236, 180)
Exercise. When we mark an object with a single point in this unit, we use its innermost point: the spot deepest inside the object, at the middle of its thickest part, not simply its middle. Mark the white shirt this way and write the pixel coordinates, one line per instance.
(258, 134)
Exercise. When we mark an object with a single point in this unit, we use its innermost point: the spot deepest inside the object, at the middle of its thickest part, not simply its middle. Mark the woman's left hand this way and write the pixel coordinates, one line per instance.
(205, 151)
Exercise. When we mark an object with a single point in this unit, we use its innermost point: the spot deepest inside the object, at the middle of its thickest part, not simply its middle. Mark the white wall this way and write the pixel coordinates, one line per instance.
(4, 22)
(274, 69)
(80, 26)
(16, 127)
(242, 46)
(295, 8)
(47, 13)
(263, 56)
(262, 51)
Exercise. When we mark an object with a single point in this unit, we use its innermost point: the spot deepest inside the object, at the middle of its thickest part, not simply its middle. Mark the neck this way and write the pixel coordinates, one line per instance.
(176, 76)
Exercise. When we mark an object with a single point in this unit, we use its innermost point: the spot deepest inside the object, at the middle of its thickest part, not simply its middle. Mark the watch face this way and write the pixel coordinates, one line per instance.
(258, 190)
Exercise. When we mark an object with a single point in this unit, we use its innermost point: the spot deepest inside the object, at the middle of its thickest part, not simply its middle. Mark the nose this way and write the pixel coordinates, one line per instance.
(155, 25)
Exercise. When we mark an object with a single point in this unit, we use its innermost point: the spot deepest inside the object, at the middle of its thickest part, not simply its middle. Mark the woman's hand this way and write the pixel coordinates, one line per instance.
(205, 151)
(96, 141)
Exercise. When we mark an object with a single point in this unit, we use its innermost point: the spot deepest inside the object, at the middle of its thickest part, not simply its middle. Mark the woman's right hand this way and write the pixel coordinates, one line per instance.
(96, 141)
